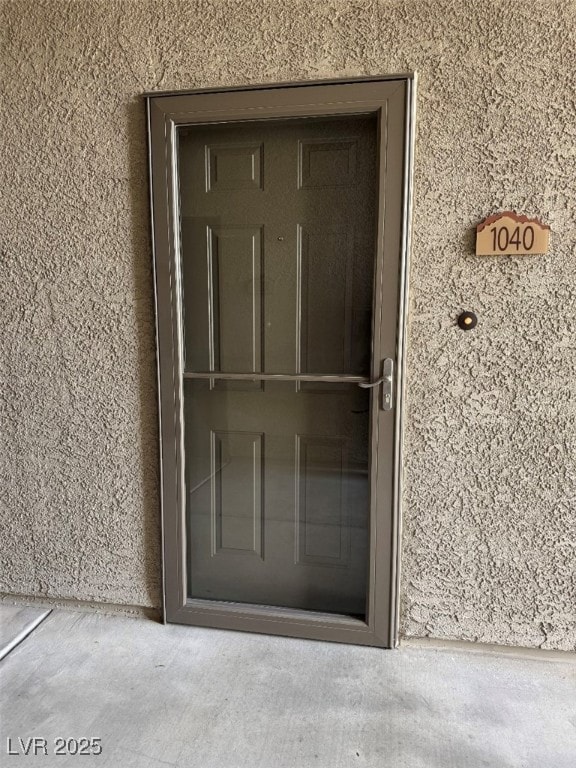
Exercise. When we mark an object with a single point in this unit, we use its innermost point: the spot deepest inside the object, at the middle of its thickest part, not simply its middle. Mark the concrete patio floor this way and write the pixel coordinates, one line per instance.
(198, 698)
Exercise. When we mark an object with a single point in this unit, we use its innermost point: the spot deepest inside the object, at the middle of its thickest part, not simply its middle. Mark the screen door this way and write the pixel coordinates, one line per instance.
(279, 229)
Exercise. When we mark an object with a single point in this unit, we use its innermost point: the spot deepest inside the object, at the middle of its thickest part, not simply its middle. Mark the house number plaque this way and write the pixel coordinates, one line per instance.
(509, 234)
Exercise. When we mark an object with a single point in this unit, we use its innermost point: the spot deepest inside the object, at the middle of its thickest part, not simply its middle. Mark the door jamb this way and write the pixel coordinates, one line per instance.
(397, 510)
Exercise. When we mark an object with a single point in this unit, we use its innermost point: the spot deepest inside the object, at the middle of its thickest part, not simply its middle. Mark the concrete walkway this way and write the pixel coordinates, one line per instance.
(199, 698)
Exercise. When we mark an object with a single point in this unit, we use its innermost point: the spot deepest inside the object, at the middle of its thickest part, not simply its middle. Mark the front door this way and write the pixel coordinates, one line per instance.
(284, 249)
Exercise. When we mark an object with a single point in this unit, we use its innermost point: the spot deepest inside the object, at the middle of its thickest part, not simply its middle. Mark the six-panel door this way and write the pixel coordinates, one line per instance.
(277, 254)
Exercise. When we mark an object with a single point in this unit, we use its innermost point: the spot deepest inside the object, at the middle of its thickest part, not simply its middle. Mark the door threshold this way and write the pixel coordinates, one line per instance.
(280, 612)
(270, 620)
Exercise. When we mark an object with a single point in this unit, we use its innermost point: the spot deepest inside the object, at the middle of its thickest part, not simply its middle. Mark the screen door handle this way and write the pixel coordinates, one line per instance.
(387, 381)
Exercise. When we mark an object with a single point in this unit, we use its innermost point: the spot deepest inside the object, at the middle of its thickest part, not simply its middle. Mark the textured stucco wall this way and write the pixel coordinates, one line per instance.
(490, 473)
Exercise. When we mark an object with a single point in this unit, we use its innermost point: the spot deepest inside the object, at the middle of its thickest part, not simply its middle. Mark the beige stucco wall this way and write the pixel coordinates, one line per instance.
(490, 474)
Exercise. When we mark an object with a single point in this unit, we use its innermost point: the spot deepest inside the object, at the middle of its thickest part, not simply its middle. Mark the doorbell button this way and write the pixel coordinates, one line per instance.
(467, 321)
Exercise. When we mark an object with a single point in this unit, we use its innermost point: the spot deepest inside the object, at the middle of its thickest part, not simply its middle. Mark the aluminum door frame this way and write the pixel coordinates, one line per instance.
(392, 98)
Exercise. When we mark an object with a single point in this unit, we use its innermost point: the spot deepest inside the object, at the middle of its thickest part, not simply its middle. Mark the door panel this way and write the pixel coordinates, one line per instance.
(325, 286)
(236, 492)
(322, 502)
(277, 497)
(234, 299)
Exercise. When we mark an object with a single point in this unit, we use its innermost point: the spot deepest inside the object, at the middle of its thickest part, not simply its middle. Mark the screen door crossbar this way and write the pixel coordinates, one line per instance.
(329, 377)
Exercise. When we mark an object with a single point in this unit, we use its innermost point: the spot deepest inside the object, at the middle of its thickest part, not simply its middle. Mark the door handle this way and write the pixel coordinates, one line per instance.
(386, 381)
(370, 384)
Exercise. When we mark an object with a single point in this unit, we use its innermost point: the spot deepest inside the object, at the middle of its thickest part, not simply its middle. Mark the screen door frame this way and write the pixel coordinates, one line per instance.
(392, 100)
